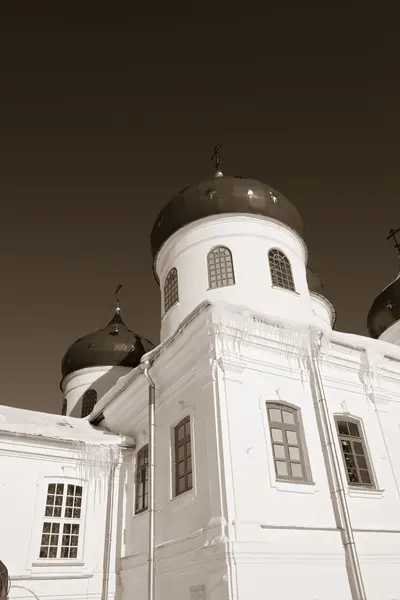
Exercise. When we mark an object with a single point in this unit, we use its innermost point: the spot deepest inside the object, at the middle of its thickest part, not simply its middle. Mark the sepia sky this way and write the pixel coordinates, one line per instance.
(106, 111)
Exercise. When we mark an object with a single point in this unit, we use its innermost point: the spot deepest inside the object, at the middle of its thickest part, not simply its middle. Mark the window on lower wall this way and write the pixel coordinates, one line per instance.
(141, 480)
(354, 452)
(61, 522)
(183, 457)
(288, 446)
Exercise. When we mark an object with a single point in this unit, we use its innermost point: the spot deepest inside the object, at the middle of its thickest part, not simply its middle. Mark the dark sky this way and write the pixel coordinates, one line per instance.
(106, 112)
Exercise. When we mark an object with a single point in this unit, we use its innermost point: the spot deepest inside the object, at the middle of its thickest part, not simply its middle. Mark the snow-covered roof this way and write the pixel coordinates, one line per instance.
(31, 423)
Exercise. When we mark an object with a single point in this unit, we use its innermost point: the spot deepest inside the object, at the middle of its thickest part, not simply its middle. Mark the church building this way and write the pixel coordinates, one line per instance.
(253, 453)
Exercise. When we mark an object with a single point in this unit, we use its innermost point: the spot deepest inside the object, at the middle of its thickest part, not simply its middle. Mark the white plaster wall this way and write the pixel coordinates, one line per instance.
(249, 238)
(101, 379)
(322, 312)
(285, 533)
(241, 531)
(26, 469)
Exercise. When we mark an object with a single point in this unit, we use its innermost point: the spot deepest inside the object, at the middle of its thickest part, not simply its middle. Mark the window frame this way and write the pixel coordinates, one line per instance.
(220, 263)
(277, 272)
(140, 471)
(361, 439)
(296, 427)
(87, 402)
(171, 289)
(183, 443)
(62, 521)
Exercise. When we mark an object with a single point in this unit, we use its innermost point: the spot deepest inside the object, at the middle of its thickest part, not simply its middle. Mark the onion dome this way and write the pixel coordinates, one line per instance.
(115, 345)
(385, 309)
(316, 288)
(218, 196)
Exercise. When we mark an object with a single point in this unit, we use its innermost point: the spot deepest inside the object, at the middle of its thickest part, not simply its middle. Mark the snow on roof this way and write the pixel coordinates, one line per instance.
(31, 423)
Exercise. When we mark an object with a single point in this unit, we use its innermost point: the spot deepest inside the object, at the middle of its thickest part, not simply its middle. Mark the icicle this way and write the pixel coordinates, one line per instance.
(94, 463)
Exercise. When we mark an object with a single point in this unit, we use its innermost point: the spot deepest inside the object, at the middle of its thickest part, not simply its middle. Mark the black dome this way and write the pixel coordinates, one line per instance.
(385, 309)
(114, 345)
(222, 195)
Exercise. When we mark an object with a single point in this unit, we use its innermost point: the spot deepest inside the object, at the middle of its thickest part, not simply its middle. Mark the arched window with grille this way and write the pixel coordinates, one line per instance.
(171, 293)
(354, 451)
(88, 402)
(288, 443)
(64, 407)
(220, 267)
(183, 457)
(281, 270)
(141, 480)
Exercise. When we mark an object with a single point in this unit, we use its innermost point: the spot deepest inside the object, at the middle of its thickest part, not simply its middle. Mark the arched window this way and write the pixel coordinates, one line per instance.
(354, 451)
(220, 267)
(64, 407)
(183, 457)
(281, 271)
(88, 402)
(171, 295)
(288, 445)
(142, 475)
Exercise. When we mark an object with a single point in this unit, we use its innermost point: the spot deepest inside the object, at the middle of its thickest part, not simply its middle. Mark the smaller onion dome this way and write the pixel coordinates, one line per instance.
(218, 196)
(385, 309)
(115, 345)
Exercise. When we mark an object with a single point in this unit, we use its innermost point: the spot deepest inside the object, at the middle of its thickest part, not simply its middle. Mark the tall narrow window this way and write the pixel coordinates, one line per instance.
(287, 443)
(64, 407)
(88, 402)
(61, 524)
(281, 271)
(220, 267)
(142, 475)
(183, 457)
(171, 295)
(354, 452)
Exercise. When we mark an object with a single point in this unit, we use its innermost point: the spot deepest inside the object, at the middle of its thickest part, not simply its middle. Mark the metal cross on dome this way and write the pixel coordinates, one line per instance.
(217, 158)
(392, 234)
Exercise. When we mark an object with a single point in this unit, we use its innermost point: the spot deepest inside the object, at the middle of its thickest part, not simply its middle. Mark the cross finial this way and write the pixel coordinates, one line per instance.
(117, 291)
(217, 158)
(392, 234)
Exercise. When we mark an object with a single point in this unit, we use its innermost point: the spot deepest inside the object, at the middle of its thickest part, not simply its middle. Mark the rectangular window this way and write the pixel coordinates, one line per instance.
(183, 457)
(142, 476)
(287, 443)
(354, 452)
(62, 521)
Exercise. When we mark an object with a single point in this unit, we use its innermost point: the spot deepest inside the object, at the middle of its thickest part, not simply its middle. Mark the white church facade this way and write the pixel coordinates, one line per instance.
(254, 453)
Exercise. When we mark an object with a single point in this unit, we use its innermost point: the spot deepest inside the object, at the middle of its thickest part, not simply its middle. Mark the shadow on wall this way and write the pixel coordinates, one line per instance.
(102, 385)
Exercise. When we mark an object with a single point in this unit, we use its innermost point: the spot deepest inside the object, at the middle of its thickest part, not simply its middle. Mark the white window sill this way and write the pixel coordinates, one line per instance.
(363, 492)
(137, 515)
(303, 487)
(67, 562)
(51, 575)
(183, 500)
(282, 289)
